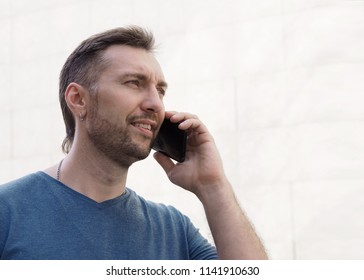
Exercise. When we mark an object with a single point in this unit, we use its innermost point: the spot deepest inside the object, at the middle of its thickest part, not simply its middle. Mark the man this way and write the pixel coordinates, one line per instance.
(111, 95)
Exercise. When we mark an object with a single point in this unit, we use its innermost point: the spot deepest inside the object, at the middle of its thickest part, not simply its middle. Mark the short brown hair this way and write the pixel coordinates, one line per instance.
(86, 63)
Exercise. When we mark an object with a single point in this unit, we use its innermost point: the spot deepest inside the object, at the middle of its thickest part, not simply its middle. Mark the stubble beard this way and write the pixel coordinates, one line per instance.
(114, 141)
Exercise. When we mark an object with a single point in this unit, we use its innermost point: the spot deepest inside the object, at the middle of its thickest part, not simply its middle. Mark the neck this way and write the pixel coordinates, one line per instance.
(94, 176)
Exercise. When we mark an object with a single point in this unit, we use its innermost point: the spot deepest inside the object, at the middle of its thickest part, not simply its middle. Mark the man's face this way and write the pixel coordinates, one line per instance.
(127, 111)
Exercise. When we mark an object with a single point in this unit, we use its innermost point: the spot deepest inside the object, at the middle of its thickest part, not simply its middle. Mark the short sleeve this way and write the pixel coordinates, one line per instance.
(199, 247)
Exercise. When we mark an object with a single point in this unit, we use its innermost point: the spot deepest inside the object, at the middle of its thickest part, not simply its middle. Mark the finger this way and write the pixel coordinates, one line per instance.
(188, 122)
(193, 125)
(164, 161)
(181, 116)
(169, 114)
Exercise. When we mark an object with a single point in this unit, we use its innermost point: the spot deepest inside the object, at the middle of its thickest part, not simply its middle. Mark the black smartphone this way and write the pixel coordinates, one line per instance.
(171, 141)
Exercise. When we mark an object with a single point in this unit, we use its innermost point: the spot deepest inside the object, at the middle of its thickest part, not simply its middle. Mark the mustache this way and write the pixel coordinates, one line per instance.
(145, 116)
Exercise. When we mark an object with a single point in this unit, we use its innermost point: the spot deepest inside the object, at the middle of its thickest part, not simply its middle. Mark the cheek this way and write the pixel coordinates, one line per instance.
(112, 107)
(162, 112)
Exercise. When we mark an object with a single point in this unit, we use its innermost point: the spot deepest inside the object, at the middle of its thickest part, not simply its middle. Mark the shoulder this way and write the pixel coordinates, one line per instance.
(178, 227)
(159, 210)
(21, 186)
(16, 185)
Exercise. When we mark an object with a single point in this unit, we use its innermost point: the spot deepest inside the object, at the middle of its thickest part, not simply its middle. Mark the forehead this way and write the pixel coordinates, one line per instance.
(123, 59)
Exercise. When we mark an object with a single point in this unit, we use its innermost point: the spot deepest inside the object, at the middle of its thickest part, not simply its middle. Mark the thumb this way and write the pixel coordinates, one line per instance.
(164, 161)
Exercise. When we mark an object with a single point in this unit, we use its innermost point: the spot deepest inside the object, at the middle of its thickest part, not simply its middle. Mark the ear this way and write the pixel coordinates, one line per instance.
(76, 99)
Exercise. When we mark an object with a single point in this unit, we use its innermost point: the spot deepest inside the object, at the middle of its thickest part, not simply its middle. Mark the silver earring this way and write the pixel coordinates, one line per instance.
(81, 117)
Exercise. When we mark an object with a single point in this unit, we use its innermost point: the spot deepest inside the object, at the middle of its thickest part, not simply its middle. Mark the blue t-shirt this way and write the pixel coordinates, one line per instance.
(41, 218)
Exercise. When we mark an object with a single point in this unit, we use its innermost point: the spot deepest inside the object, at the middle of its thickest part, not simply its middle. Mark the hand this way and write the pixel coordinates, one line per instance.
(202, 169)
(202, 173)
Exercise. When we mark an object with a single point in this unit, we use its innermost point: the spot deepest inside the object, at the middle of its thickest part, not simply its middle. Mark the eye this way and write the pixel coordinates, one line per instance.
(161, 91)
(133, 83)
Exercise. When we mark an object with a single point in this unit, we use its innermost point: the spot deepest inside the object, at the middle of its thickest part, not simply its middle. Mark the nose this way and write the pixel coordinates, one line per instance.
(153, 101)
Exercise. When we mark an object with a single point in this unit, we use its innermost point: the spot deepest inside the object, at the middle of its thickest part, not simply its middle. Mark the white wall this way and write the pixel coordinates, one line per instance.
(279, 83)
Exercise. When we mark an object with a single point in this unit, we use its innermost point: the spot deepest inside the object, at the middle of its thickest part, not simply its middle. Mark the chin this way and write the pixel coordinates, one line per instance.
(132, 155)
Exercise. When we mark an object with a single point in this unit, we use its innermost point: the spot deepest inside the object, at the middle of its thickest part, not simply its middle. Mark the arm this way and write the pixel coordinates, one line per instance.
(202, 173)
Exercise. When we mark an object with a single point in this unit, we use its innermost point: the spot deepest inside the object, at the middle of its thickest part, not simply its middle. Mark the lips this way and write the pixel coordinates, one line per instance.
(145, 126)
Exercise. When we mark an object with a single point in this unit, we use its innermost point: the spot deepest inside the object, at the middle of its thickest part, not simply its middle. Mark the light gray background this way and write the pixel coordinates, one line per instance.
(280, 84)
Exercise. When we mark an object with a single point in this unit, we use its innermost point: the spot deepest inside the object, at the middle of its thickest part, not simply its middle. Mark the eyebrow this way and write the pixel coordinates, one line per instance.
(143, 78)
